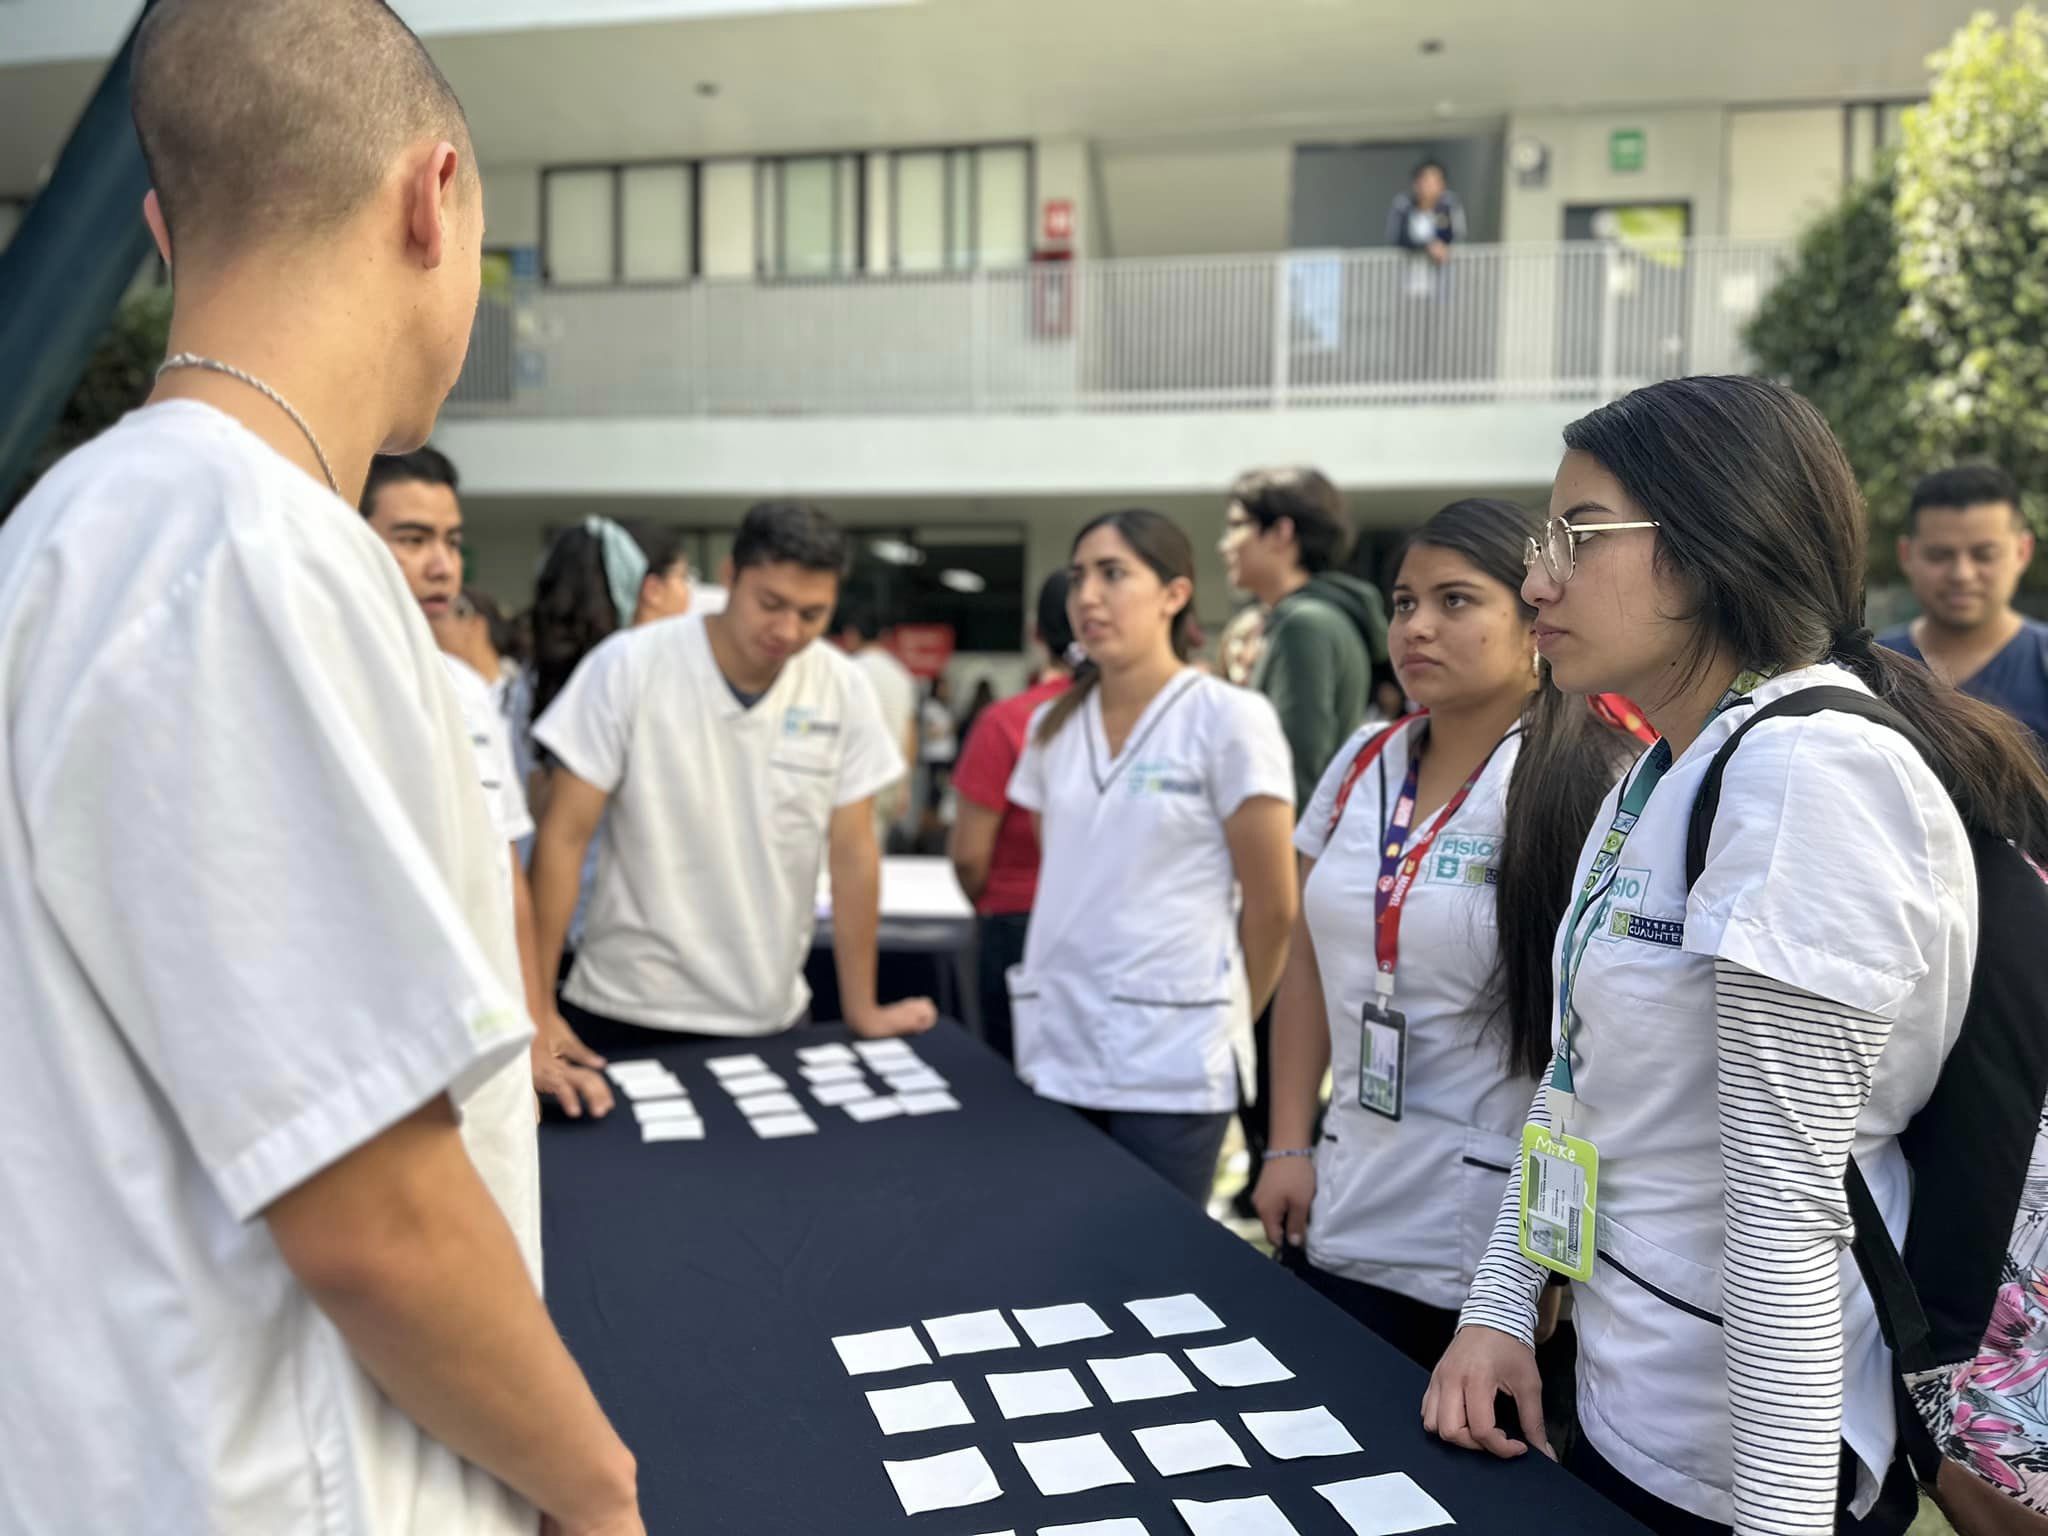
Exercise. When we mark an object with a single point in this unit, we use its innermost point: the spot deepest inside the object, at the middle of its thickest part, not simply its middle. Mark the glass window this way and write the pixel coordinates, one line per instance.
(921, 212)
(658, 227)
(808, 206)
(1003, 207)
(580, 226)
(960, 208)
(728, 214)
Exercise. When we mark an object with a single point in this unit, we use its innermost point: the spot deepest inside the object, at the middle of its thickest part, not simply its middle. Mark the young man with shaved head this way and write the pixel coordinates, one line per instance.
(263, 1011)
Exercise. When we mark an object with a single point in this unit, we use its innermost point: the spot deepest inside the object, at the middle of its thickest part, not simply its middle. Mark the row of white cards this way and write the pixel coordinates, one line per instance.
(661, 1104)
(1387, 1505)
(763, 1097)
(1038, 1394)
(973, 1333)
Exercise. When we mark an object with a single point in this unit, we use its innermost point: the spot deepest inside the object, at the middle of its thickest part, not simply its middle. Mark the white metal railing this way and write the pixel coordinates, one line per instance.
(1304, 329)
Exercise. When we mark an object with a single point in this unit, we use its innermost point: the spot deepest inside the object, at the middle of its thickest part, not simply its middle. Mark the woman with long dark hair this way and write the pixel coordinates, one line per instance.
(1723, 1051)
(1435, 858)
(1160, 793)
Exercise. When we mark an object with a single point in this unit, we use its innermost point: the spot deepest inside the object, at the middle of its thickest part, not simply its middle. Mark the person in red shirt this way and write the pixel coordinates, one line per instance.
(993, 847)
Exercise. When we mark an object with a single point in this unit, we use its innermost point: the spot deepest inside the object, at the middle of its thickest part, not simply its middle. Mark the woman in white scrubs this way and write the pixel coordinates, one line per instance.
(1161, 795)
(1723, 1052)
(1435, 860)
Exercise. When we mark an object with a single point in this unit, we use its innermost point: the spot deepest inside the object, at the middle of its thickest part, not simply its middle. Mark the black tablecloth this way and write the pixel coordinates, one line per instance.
(701, 1284)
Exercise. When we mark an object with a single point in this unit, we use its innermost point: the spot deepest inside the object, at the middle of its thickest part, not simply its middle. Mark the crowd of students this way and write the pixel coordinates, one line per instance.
(284, 947)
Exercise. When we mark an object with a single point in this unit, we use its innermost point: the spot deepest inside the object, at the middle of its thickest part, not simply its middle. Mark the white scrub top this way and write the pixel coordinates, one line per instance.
(1838, 866)
(1132, 992)
(1409, 1204)
(706, 891)
(496, 769)
(252, 913)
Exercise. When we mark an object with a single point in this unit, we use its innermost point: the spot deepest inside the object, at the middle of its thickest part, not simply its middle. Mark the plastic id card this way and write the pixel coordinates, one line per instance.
(1382, 1060)
(1560, 1187)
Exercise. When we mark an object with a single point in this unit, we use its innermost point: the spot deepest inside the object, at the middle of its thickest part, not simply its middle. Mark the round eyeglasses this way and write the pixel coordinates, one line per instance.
(1558, 549)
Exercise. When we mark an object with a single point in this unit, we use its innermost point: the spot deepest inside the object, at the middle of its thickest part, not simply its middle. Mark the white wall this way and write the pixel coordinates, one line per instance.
(1064, 170)
(1682, 163)
(1785, 167)
(1196, 201)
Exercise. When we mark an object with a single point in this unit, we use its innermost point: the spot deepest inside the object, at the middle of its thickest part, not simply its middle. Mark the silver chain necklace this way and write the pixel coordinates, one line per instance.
(214, 365)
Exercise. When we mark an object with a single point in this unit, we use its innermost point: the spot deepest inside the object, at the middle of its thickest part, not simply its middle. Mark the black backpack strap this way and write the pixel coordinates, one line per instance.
(1807, 701)
(1900, 1317)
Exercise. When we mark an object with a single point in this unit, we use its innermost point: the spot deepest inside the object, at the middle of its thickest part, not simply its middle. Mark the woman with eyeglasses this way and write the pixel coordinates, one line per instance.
(1435, 856)
(1721, 1050)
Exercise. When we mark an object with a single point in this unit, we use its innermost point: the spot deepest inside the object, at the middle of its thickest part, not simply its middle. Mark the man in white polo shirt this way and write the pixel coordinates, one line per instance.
(734, 755)
(410, 502)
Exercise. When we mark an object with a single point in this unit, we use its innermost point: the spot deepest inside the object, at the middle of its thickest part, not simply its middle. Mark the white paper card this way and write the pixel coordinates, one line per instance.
(764, 1104)
(735, 1066)
(1027, 1394)
(865, 1110)
(883, 1050)
(1174, 1449)
(1124, 1527)
(1247, 1363)
(646, 1066)
(1385, 1506)
(821, 1055)
(1164, 1316)
(970, 1333)
(638, 1088)
(1133, 1378)
(1071, 1465)
(753, 1083)
(672, 1130)
(931, 1405)
(1234, 1517)
(944, 1482)
(921, 1080)
(1048, 1326)
(834, 1072)
(646, 1110)
(886, 1349)
(936, 1103)
(770, 1126)
(830, 1094)
(1309, 1432)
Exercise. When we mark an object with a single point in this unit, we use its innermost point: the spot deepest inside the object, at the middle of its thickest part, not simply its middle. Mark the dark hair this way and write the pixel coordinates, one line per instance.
(1157, 540)
(1965, 485)
(280, 119)
(862, 618)
(572, 601)
(1427, 165)
(425, 466)
(1569, 760)
(1306, 498)
(1055, 628)
(1763, 525)
(789, 533)
(505, 637)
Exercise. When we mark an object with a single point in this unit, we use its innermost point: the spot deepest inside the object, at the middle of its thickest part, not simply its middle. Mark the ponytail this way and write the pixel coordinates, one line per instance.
(1984, 759)
(1570, 758)
(1086, 676)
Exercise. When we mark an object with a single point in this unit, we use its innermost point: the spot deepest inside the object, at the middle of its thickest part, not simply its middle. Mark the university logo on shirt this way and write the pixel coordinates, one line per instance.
(1621, 923)
(1145, 779)
(1459, 859)
(801, 720)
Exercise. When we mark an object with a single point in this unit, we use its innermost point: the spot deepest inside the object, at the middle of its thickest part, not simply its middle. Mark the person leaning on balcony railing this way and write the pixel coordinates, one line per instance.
(1427, 218)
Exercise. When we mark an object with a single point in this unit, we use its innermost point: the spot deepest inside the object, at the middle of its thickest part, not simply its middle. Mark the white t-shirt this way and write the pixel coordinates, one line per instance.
(1837, 866)
(895, 689)
(706, 888)
(492, 743)
(252, 913)
(1132, 992)
(1409, 1204)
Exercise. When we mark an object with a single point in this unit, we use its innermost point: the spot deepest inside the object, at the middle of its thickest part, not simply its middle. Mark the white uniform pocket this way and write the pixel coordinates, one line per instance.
(800, 798)
(1167, 1034)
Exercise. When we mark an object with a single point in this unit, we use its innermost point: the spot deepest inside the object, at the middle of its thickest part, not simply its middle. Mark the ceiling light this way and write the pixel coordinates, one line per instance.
(1432, 45)
(963, 581)
(895, 552)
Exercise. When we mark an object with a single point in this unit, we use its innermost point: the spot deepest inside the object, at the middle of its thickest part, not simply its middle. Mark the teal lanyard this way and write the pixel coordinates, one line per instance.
(1635, 796)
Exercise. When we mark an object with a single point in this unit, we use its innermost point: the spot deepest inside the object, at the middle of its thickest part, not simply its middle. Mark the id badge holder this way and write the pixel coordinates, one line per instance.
(1382, 1057)
(1560, 1192)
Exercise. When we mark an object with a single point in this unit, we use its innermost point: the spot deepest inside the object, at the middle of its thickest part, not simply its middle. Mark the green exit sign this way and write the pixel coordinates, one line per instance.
(1627, 148)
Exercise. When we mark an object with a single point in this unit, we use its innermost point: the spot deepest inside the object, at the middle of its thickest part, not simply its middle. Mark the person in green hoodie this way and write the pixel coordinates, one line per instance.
(1283, 532)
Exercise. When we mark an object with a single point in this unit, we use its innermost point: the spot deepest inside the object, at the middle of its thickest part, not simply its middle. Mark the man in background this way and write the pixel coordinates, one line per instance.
(1965, 548)
(993, 846)
(860, 636)
(1427, 219)
(1284, 532)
